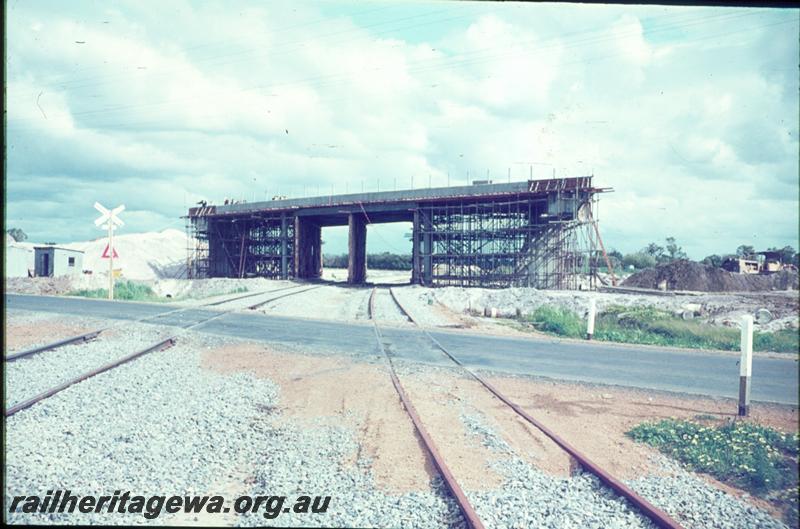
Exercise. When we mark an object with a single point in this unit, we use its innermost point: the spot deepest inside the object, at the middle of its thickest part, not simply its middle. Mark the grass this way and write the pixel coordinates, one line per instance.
(133, 291)
(755, 458)
(124, 290)
(648, 325)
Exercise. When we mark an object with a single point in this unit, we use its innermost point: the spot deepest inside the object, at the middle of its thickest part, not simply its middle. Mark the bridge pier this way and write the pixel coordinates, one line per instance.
(357, 249)
(307, 248)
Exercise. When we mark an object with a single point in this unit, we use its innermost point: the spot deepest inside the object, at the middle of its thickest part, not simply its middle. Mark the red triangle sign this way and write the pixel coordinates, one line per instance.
(105, 253)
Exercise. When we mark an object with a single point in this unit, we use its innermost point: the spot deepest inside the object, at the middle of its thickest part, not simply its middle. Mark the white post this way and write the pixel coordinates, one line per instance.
(746, 365)
(590, 319)
(110, 259)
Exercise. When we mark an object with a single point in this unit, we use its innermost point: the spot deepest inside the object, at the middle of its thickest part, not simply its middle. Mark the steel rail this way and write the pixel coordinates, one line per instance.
(28, 352)
(470, 516)
(262, 303)
(169, 342)
(93, 334)
(221, 302)
(163, 344)
(659, 517)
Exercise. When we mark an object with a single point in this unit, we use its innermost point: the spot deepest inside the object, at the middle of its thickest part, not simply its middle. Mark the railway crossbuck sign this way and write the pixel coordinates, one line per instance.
(108, 220)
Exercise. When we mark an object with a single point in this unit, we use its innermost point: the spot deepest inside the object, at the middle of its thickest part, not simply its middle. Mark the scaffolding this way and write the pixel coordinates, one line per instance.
(252, 246)
(546, 242)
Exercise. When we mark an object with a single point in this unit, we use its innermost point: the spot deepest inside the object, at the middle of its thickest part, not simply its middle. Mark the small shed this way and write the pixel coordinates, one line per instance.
(56, 261)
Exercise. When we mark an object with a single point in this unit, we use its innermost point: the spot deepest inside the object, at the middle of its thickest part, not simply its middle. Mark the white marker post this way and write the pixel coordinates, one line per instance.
(108, 219)
(590, 318)
(746, 365)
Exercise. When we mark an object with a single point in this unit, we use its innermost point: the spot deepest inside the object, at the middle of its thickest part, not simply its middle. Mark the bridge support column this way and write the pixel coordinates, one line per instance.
(357, 249)
(307, 248)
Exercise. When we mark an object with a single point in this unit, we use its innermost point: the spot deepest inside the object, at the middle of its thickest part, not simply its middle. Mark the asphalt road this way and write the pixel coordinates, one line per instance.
(694, 372)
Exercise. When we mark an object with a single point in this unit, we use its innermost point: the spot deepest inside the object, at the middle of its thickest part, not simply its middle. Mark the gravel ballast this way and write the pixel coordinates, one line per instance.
(158, 425)
(29, 376)
(531, 498)
(162, 425)
(696, 504)
(313, 461)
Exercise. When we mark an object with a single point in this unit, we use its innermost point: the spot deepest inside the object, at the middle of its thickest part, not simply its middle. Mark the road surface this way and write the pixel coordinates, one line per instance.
(694, 372)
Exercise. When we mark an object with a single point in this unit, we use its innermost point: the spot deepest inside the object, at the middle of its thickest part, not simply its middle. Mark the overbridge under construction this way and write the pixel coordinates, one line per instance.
(539, 233)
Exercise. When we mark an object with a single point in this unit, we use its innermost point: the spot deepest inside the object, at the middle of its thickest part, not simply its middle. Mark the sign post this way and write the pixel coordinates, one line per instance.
(109, 219)
(746, 365)
(590, 318)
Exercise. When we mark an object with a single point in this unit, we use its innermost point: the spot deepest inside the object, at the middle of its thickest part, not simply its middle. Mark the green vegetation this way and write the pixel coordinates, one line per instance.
(749, 456)
(133, 291)
(126, 290)
(639, 260)
(648, 325)
(654, 254)
(375, 261)
(558, 321)
(17, 234)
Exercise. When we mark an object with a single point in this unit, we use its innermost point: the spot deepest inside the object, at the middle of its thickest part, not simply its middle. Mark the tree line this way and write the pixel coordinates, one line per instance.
(655, 254)
(375, 261)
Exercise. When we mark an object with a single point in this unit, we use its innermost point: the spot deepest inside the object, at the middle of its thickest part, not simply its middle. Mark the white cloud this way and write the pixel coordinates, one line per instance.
(216, 100)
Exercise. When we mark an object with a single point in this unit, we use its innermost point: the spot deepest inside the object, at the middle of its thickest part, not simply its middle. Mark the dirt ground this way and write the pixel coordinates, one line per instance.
(595, 418)
(592, 418)
(360, 395)
(21, 335)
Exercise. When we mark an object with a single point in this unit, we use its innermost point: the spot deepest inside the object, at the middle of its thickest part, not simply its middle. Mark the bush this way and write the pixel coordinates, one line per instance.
(559, 321)
(639, 260)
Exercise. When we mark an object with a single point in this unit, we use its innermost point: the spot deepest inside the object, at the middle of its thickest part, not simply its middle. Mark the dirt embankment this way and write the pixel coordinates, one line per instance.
(688, 275)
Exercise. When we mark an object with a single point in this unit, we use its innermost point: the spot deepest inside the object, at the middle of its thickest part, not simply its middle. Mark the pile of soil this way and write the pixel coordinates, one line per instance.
(688, 275)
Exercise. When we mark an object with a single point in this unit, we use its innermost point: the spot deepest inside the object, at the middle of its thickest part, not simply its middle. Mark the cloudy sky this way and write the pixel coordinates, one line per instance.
(689, 113)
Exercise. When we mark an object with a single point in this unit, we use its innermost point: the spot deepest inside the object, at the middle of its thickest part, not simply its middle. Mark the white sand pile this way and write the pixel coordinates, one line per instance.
(152, 255)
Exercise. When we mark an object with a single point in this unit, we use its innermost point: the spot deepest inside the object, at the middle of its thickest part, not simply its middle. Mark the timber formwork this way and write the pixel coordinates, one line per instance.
(535, 234)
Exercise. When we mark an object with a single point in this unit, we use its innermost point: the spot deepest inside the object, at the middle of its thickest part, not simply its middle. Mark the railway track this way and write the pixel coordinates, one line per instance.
(157, 346)
(470, 516)
(656, 515)
(86, 337)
